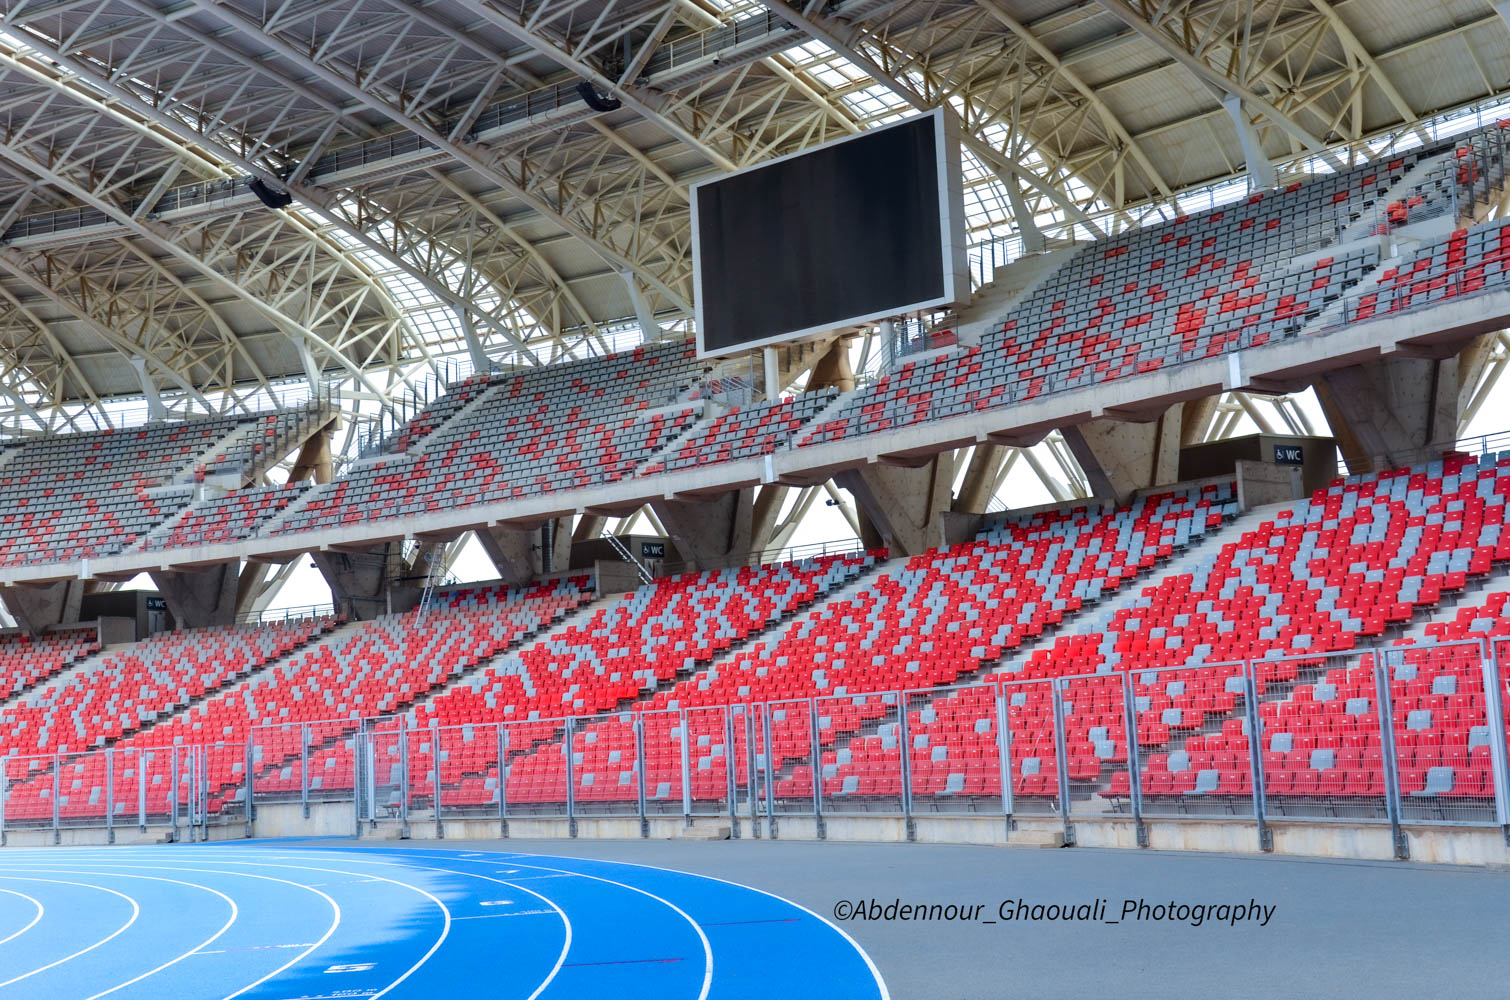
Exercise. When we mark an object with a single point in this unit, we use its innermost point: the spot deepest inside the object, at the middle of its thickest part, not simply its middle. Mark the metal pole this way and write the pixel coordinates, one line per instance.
(141, 789)
(571, 778)
(1494, 710)
(109, 796)
(440, 831)
(817, 768)
(370, 751)
(638, 725)
(686, 769)
(173, 792)
(503, 779)
(1061, 759)
(4, 793)
(770, 765)
(1256, 756)
(57, 763)
(250, 807)
(304, 767)
(904, 760)
(403, 779)
(1134, 765)
(731, 777)
(752, 774)
(1387, 752)
(1004, 757)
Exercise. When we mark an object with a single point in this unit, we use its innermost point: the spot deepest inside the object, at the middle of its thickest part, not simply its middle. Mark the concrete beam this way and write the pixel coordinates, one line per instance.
(37, 609)
(709, 533)
(1121, 458)
(202, 597)
(1392, 410)
(902, 508)
(520, 554)
(250, 584)
(371, 582)
(1195, 419)
(980, 479)
(1473, 359)
(589, 526)
(766, 512)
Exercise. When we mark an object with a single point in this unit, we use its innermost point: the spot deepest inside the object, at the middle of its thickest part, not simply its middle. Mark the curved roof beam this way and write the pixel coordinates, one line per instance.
(1198, 68)
(468, 154)
(95, 195)
(1108, 117)
(841, 39)
(317, 201)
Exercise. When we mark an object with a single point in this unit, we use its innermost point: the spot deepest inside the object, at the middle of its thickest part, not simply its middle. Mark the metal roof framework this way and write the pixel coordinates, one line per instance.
(449, 180)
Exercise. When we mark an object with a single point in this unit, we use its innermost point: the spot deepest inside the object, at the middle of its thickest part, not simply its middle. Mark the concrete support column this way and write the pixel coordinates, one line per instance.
(1259, 167)
(1121, 458)
(1394, 410)
(313, 461)
(980, 478)
(155, 408)
(764, 516)
(369, 583)
(37, 609)
(1027, 225)
(519, 553)
(203, 597)
(709, 533)
(833, 369)
(902, 507)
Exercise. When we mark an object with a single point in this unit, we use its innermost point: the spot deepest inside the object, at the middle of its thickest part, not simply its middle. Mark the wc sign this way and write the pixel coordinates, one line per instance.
(1288, 454)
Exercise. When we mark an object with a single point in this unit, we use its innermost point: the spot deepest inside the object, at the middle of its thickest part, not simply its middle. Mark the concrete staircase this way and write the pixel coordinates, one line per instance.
(774, 635)
(418, 445)
(1099, 616)
(1422, 172)
(63, 676)
(1008, 286)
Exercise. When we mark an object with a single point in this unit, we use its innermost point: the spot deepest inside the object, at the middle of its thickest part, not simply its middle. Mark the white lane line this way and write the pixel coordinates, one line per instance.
(308, 949)
(707, 948)
(565, 921)
(173, 961)
(34, 920)
(875, 972)
(135, 912)
(445, 913)
(871, 965)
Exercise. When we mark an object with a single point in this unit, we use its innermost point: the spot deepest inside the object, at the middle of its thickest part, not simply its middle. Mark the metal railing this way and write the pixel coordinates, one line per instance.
(1383, 302)
(763, 557)
(292, 613)
(1391, 737)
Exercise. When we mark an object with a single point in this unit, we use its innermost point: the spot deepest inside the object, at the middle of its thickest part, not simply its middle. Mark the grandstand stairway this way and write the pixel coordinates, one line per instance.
(1008, 286)
(62, 675)
(417, 443)
(1097, 617)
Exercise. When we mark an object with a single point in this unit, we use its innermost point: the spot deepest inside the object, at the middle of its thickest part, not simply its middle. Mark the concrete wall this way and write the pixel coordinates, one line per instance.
(1458, 845)
(1260, 483)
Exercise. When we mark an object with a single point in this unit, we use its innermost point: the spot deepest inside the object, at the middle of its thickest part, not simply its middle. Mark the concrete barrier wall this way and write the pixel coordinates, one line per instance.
(1459, 845)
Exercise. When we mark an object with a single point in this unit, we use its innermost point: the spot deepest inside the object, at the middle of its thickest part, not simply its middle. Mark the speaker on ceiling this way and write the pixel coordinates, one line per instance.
(269, 197)
(596, 100)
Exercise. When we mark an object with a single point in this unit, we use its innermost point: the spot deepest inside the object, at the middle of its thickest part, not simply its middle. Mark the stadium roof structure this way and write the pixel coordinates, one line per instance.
(515, 173)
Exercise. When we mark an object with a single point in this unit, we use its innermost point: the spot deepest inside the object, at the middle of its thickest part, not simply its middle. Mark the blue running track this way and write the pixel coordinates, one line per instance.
(271, 922)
